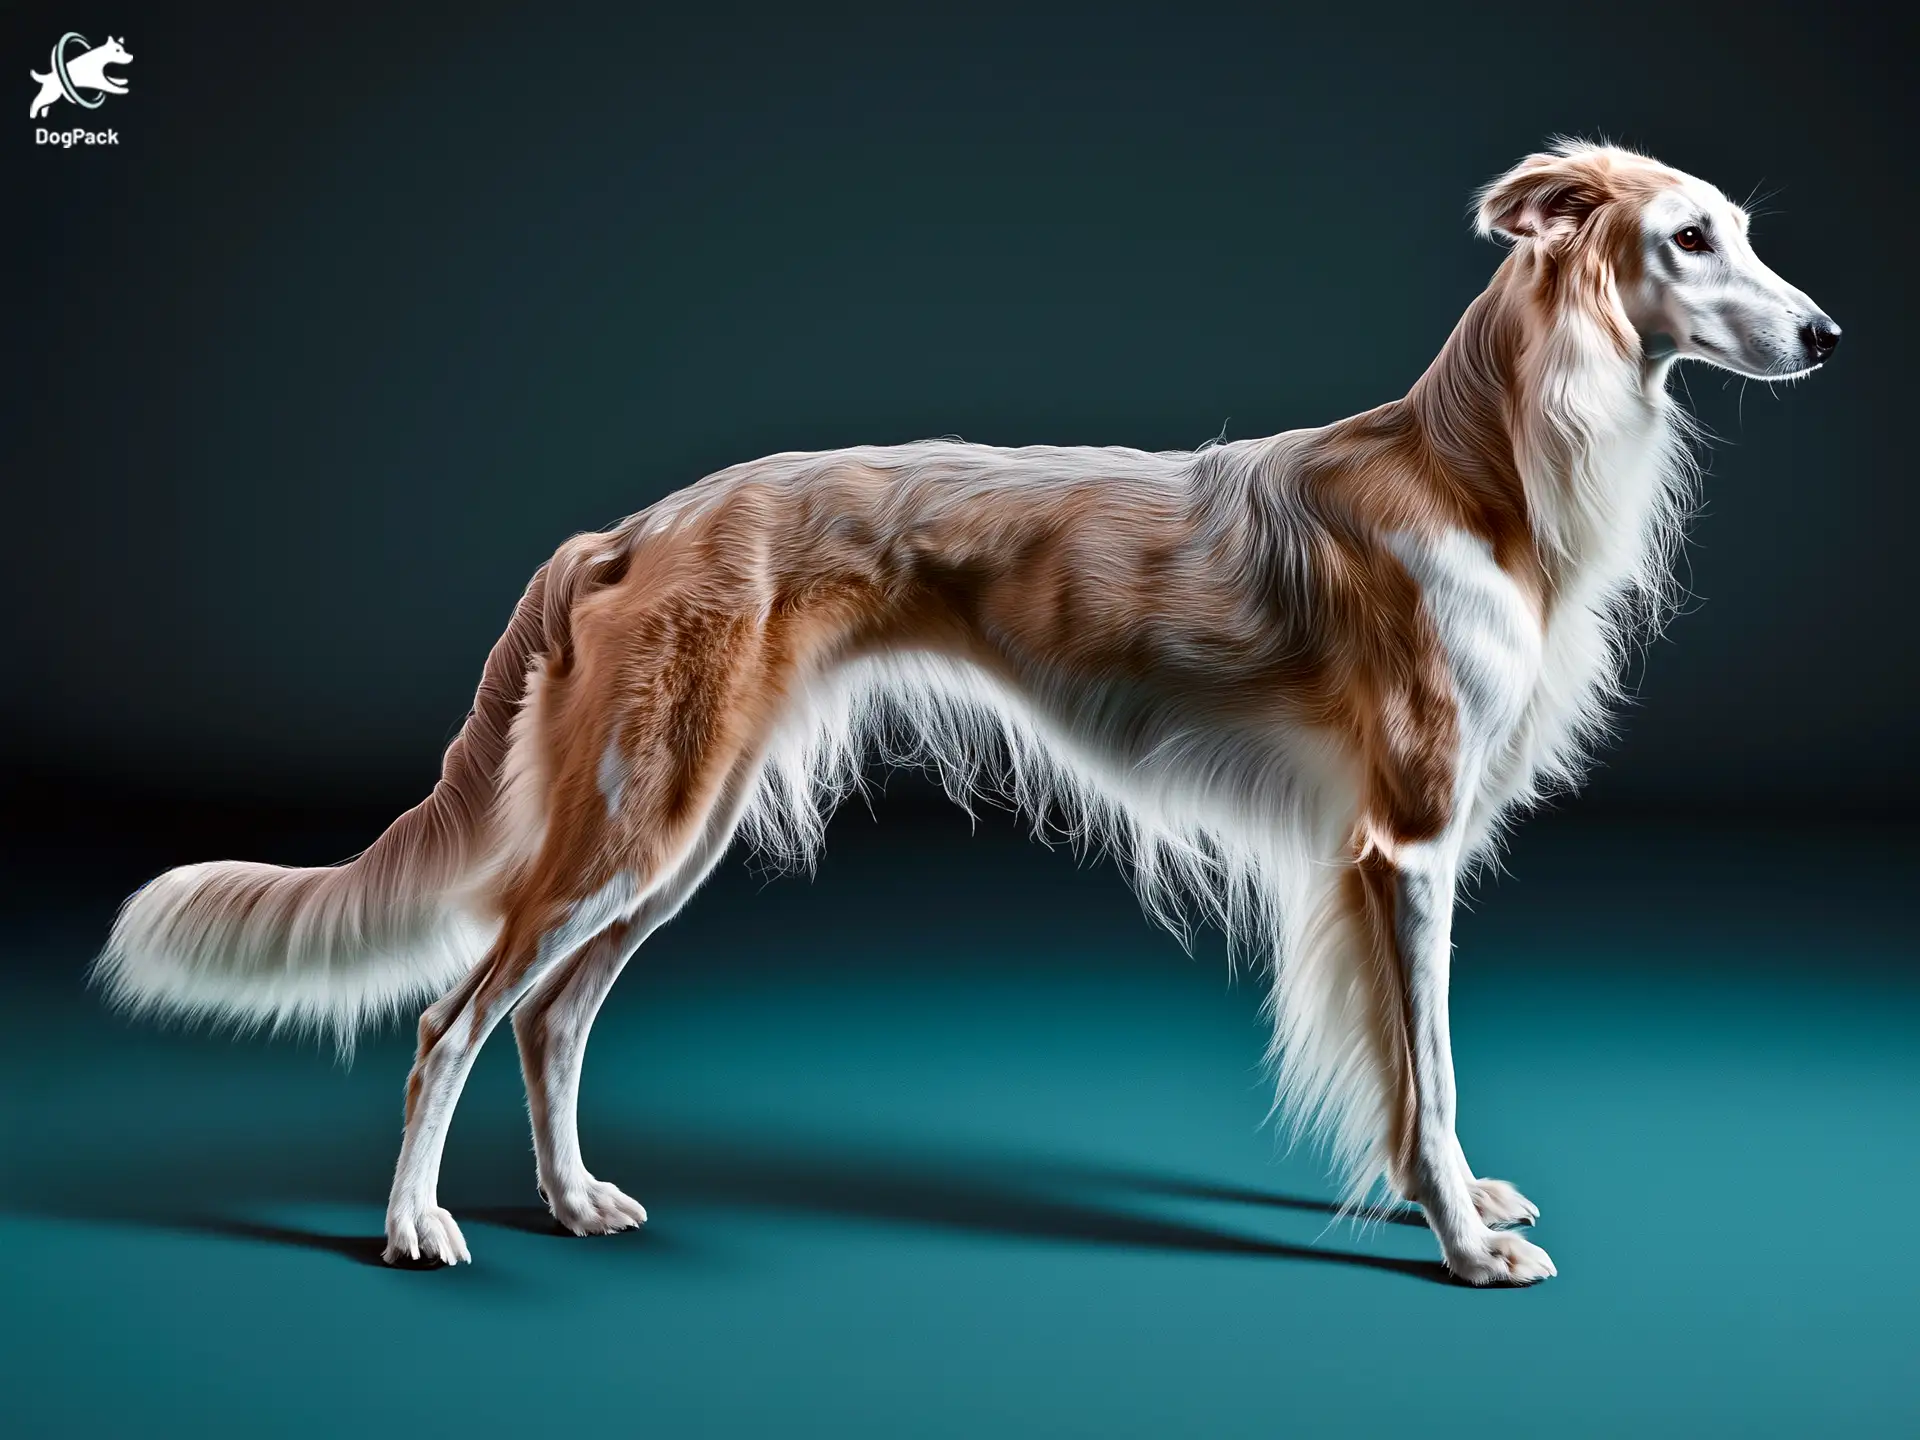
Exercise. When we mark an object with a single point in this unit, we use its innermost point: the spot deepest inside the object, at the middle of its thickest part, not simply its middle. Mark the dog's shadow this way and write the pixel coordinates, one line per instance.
(1005, 1196)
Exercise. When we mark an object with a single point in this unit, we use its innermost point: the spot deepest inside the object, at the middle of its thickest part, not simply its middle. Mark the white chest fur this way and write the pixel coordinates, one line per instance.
(1495, 653)
(1607, 474)
(1529, 698)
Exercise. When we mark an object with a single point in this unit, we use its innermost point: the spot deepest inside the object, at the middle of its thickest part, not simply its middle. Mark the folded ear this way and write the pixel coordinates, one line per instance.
(1545, 198)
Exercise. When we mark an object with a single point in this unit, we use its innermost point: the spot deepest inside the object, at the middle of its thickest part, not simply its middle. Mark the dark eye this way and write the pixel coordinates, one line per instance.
(1692, 241)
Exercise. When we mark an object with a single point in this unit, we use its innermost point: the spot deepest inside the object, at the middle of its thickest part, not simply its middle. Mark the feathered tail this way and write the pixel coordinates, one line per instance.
(336, 947)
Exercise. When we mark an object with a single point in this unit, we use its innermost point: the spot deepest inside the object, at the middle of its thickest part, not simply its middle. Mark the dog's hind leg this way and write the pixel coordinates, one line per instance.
(552, 1023)
(534, 939)
(551, 1027)
(649, 724)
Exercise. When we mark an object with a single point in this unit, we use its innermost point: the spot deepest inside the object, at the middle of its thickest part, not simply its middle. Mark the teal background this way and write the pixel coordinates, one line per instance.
(948, 1142)
(369, 309)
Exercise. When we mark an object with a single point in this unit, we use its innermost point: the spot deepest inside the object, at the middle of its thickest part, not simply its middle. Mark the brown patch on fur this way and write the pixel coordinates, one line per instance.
(718, 607)
(1369, 892)
(435, 1021)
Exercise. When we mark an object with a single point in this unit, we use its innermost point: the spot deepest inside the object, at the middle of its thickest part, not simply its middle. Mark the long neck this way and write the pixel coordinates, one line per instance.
(1539, 388)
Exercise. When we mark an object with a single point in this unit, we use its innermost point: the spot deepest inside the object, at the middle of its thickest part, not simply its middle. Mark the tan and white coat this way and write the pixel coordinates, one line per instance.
(1294, 684)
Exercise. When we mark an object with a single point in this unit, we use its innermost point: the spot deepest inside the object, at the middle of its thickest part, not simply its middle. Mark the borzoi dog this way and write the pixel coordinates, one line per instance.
(1298, 682)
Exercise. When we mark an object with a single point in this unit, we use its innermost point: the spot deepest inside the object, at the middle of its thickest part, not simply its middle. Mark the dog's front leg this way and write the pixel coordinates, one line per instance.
(1417, 888)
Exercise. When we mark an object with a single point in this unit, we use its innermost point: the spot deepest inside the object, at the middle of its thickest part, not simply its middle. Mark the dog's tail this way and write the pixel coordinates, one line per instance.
(336, 947)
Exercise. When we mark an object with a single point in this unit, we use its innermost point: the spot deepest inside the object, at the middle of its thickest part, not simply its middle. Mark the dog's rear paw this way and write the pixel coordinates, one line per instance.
(1502, 1258)
(1500, 1204)
(424, 1233)
(593, 1207)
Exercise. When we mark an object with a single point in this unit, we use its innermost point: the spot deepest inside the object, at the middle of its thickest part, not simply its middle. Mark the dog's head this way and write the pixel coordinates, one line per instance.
(1661, 259)
(113, 52)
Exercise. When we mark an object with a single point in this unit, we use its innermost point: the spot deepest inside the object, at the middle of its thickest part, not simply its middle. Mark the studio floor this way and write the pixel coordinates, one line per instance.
(947, 1142)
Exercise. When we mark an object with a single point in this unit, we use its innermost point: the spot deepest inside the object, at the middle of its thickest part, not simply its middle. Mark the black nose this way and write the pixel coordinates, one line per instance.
(1821, 337)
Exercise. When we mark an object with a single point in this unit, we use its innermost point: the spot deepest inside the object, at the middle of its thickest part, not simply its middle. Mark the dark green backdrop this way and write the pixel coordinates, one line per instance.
(369, 309)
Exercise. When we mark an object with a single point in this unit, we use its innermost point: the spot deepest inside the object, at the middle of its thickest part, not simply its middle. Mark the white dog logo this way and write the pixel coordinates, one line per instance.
(86, 71)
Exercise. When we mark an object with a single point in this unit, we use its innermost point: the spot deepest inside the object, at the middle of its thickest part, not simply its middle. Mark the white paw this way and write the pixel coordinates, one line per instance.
(1501, 1258)
(1500, 1204)
(424, 1232)
(587, 1206)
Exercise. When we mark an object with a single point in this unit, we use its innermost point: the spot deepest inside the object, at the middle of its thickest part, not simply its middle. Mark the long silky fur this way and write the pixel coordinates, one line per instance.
(1264, 877)
(1208, 828)
(1610, 524)
(1264, 873)
(334, 949)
